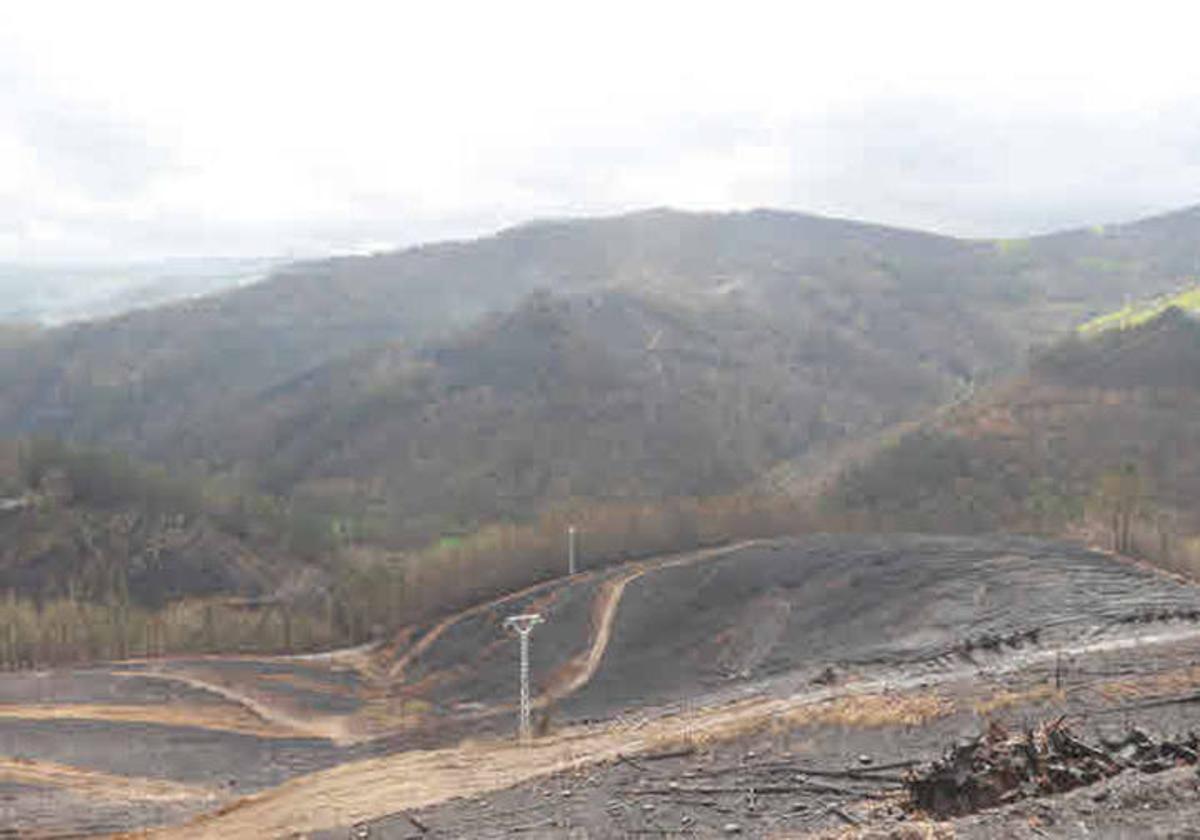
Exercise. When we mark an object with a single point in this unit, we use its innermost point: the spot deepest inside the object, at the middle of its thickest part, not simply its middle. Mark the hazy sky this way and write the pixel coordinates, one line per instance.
(172, 128)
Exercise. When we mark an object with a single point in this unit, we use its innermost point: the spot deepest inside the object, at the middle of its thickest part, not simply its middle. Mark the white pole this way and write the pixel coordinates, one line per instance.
(571, 549)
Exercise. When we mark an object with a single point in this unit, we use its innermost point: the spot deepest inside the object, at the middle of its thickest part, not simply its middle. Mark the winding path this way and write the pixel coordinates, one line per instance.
(374, 788)
(580, 671)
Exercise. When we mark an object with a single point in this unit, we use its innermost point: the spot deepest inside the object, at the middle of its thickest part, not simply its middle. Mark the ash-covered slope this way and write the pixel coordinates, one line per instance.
(681, 629)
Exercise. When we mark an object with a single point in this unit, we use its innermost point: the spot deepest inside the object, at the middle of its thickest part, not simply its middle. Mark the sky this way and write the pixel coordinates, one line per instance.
(133, 130)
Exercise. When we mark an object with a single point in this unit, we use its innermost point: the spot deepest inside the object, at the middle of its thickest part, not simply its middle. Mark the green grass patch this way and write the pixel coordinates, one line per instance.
(1139, 313)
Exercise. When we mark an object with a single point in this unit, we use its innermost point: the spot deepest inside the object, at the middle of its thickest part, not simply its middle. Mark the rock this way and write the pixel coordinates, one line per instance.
(865, 759)
(732, 828)
(826, 677)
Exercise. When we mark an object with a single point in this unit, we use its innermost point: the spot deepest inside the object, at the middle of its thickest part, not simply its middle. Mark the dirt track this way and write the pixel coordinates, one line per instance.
(986, 593)
(871, 717)
(233, 719)
(711, 645)
(801, 606)
(680, 628)
(377, 787)
(1102, 692)
(104, 785)
(275, 722)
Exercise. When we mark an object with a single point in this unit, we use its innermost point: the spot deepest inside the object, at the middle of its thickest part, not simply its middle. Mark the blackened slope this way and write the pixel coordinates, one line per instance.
(850, 602)
(789, 608)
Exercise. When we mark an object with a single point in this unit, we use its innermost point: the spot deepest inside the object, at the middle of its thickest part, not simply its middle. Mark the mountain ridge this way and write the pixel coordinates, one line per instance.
(792, 305)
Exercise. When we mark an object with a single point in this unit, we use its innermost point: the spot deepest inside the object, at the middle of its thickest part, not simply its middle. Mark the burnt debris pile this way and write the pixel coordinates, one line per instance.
(1000, 767)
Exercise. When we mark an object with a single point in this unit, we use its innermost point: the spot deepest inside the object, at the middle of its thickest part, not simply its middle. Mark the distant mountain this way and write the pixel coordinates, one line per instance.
(1141, 258)
(1101, 435)
(648, 354)
(55, 294)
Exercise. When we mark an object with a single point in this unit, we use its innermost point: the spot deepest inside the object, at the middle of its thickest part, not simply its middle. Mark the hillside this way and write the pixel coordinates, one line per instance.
(87, 526)
(361, 405)
(810, 663)
(695, 624)
(153, 381)
(102, 556)
(586, 396)
(711, 345)
(1100, 436)
(1114, 258)
(1133, 314)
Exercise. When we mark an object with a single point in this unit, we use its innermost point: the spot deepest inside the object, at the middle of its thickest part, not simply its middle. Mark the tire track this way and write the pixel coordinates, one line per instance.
(331, 728)
(374, 788)
(241, 722)
(93, 783)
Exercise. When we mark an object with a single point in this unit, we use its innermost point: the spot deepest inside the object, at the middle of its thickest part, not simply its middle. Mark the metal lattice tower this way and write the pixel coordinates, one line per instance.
(523, 625)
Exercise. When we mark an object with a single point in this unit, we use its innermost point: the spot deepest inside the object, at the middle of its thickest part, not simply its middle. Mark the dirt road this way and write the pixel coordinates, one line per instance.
(659, 653)
(369, 790)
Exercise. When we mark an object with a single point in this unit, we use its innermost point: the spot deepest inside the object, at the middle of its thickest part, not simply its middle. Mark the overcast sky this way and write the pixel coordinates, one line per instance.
(132, 130)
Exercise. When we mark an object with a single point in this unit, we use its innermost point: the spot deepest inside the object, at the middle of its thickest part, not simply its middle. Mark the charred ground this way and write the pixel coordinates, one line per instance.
(875, 633)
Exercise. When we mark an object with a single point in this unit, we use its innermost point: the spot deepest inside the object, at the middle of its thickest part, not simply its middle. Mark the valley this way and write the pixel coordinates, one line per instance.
(612, 421)
(844, 495)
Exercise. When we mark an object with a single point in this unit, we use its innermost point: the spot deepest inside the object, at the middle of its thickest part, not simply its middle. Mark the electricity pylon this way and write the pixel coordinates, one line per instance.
(523, 625)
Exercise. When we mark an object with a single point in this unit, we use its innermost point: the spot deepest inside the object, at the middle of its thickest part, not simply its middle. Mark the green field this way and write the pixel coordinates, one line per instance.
(1143, 311)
